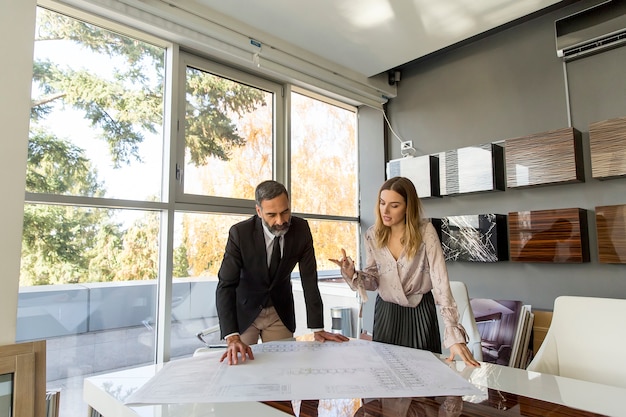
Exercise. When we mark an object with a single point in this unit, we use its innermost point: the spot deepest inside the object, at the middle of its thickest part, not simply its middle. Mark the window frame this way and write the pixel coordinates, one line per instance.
(325, 217)
(165, 206)
(173, 198)
(333, 102)
(215, 204)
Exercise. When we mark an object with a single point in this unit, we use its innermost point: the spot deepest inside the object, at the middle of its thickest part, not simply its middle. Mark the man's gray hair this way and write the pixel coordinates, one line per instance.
(268, 190)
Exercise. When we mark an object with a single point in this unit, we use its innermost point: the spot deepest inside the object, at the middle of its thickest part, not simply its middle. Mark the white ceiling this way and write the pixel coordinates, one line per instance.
(368, 36)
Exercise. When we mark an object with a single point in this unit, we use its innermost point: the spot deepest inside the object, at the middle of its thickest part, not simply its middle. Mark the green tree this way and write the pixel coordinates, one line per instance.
(181, 261)
(55, 166)
(210, 131)
(55, 237)
(139, 258)
(64, 244)
(104, 257)
(129, 104)
(55, 241)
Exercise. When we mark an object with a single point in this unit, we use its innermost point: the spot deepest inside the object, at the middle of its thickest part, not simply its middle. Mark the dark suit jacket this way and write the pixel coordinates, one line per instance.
(244, 284)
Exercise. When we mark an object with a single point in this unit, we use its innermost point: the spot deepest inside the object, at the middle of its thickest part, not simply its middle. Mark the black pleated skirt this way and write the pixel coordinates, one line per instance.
(415, 327)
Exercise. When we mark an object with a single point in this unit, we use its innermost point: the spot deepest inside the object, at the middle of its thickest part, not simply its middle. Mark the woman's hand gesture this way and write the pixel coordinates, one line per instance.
(345, 263)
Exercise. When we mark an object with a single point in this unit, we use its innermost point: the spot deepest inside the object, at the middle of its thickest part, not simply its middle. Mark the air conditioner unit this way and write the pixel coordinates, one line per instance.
(592, 30)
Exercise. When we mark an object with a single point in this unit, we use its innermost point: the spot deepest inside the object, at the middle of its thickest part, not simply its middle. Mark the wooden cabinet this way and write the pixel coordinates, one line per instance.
(547, 158)
(611, 231)
(607, 142)
(549, 236)
(25, 363)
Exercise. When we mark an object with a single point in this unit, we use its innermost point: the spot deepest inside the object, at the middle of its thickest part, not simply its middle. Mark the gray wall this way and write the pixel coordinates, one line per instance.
(371, 163)
(371, 176)
(508, 85)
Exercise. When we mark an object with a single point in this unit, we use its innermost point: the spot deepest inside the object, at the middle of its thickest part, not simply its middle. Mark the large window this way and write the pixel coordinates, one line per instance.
(228, 130)
(324, 174)
(95, 200)
(97, 112)
(130, 193)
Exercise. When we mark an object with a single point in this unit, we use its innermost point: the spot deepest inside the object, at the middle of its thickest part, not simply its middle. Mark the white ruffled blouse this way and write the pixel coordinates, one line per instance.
(405, 280)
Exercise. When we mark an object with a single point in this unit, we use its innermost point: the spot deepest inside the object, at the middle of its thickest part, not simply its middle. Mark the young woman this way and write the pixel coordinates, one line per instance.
(405, 264)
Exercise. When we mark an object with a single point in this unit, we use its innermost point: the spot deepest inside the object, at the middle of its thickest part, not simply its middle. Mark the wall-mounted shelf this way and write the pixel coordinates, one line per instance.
(423, 171)
(607, 141)
(472, 169)
(611, 231)
(547, 158)
(549, 236)
(473, 238)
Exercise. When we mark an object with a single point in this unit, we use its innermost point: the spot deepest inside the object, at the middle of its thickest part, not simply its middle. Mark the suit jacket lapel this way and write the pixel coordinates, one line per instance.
(287, 244)
(289, 247)
(259, 246)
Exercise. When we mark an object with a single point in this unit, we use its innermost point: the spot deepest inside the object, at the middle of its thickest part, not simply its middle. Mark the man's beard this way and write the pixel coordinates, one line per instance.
(278, 230)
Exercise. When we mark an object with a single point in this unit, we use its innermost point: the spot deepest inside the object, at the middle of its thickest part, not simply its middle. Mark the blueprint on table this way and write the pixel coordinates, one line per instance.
(305, 370)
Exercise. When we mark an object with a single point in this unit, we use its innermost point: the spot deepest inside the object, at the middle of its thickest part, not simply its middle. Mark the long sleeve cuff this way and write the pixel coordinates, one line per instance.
(356, 284)
(454, 334)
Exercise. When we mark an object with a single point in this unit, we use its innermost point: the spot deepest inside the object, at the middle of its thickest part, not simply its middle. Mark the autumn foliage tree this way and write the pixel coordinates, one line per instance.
(324, 180)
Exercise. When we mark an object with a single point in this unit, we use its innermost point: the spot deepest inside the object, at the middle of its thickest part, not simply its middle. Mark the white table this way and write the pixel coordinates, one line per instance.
(106, 393)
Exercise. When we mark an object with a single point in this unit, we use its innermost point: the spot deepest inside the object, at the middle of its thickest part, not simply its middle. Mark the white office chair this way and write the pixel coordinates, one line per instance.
(585, 341)
(208, 347)
(466, 316)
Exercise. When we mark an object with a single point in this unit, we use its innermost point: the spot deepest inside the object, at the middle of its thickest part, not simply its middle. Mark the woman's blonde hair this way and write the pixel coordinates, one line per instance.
(413, 219)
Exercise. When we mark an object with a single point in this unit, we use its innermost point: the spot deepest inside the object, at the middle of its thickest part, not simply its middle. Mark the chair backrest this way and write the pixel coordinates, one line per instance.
(208, 347)
(585, 341)
(466, 317)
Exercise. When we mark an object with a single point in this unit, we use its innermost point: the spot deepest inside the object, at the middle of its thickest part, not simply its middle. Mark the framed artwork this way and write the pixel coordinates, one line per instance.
(473, 238)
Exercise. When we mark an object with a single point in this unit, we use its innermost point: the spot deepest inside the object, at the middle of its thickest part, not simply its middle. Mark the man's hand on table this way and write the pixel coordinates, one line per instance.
(236, 347)
(237, 351)
(322, 336)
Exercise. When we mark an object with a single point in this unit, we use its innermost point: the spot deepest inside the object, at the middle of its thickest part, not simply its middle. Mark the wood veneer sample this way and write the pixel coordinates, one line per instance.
(607, 140)
(549, 236)
(611, 230)
(546, 158)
